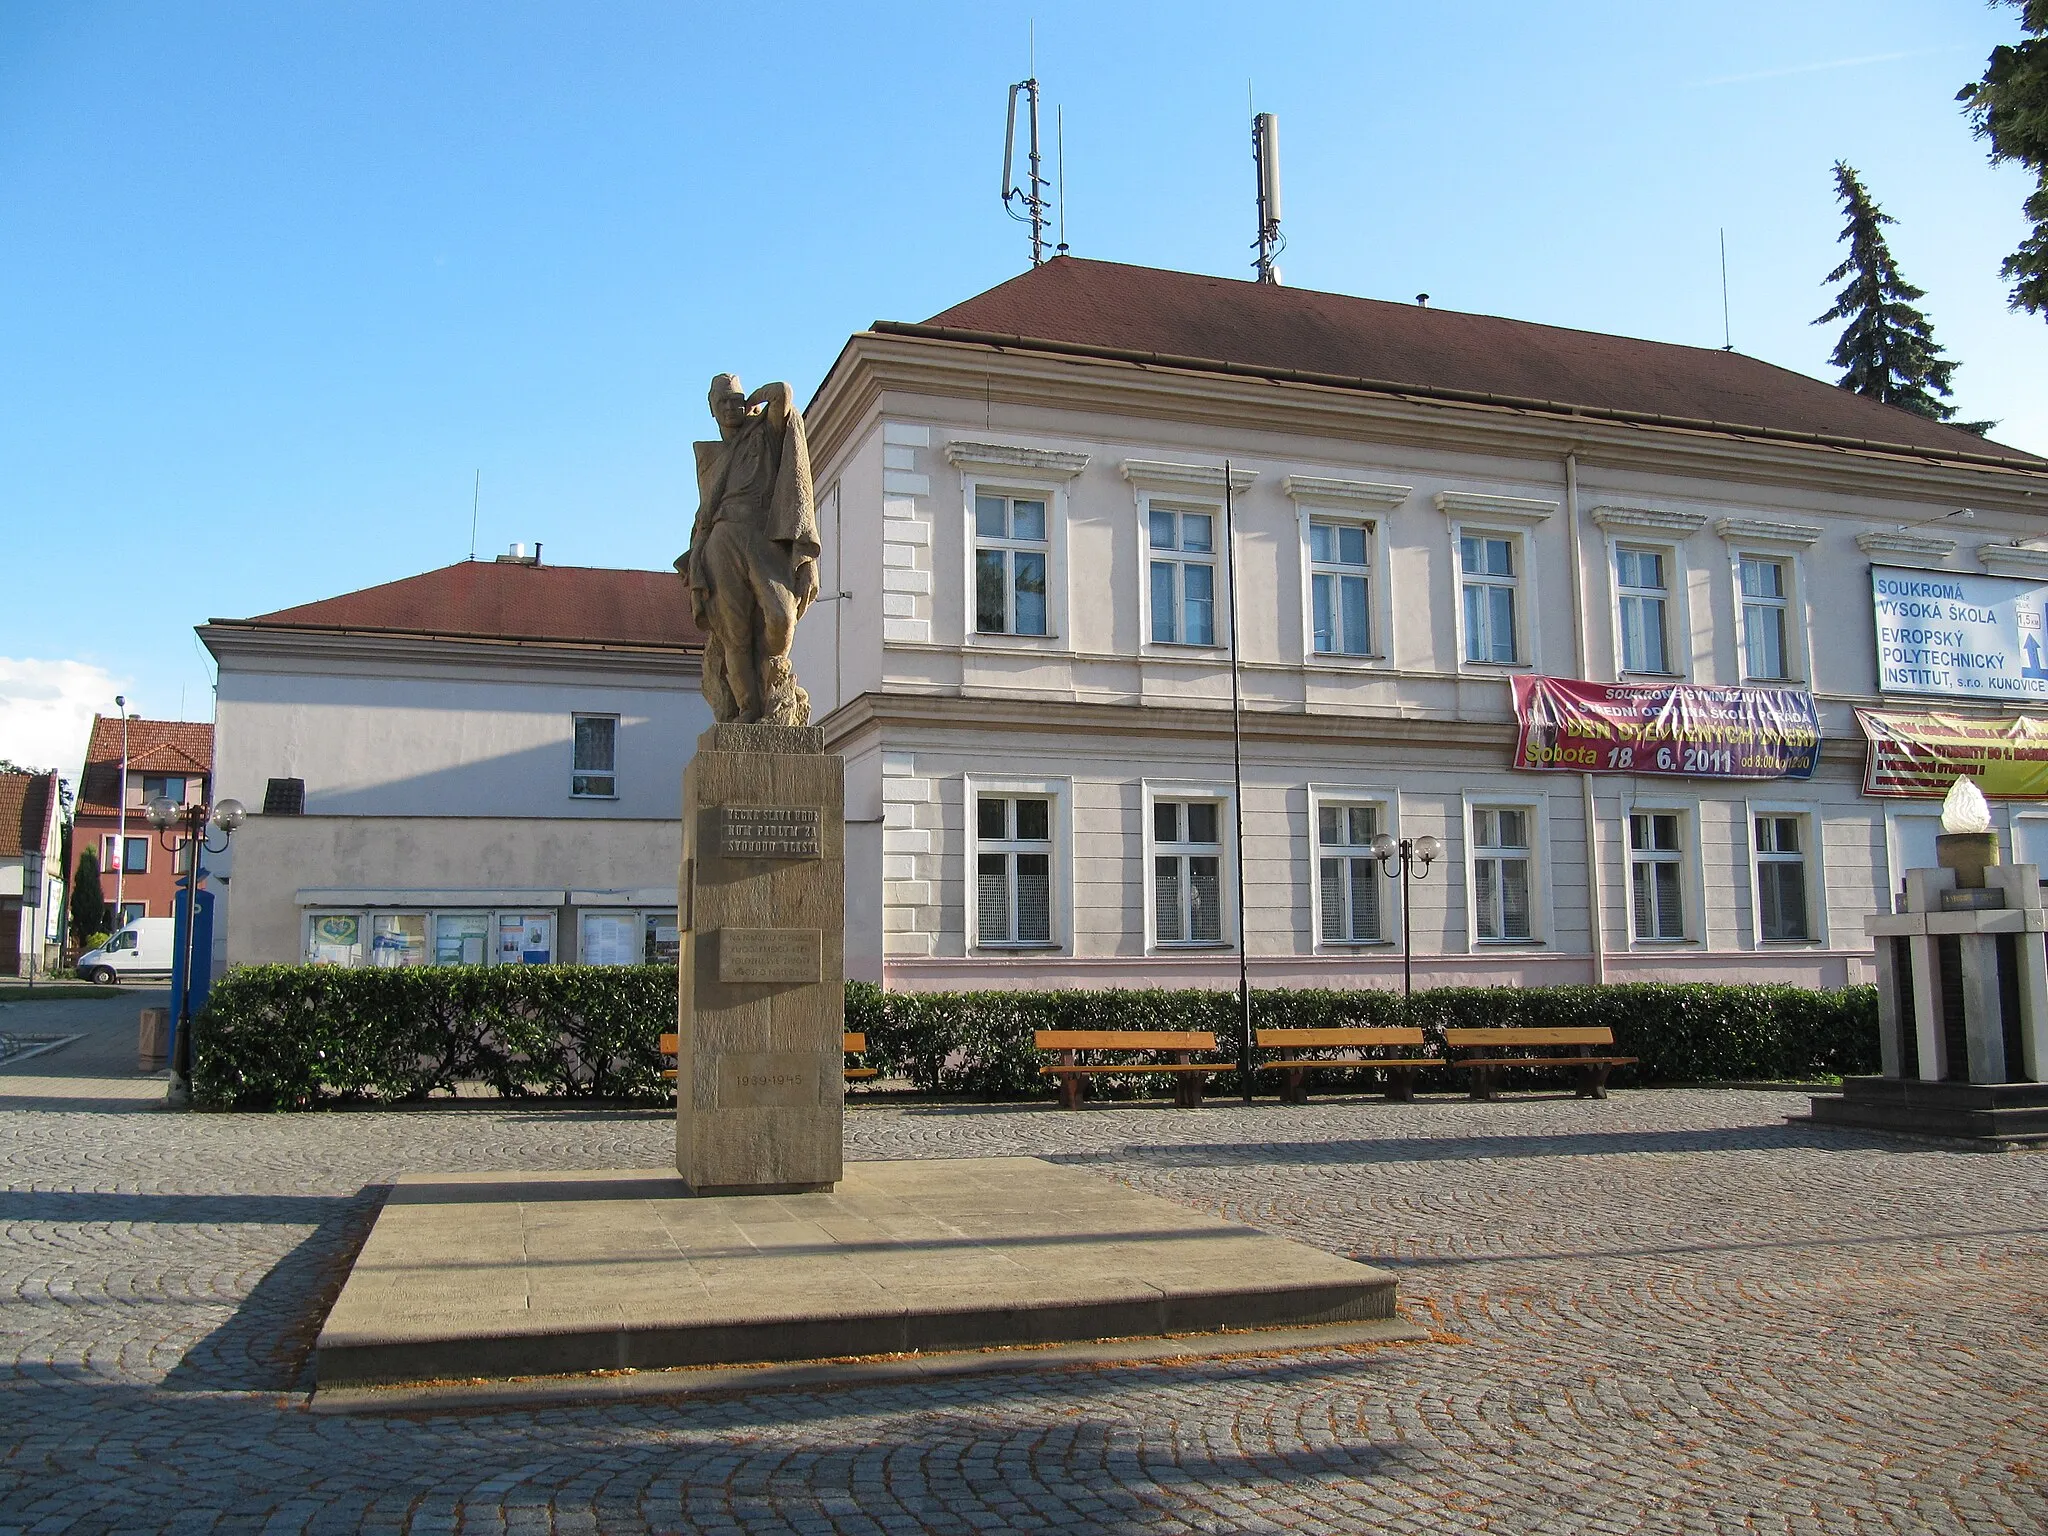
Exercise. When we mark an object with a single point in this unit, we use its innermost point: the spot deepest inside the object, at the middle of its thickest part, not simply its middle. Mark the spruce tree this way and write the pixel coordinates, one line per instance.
(2009, 106)
(1887, 350)
(88, 901)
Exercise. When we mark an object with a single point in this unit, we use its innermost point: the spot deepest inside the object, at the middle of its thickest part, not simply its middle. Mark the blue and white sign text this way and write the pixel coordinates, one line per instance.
(1959, 635)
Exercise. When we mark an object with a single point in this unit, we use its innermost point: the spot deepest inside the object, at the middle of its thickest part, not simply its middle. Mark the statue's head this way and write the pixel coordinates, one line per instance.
(728, 402)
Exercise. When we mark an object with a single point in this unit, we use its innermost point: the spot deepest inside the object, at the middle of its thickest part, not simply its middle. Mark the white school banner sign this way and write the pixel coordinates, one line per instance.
(1955, 635)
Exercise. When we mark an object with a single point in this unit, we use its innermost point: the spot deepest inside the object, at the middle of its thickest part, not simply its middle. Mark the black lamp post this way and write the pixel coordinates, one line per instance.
(166, 815)
(1410, 852)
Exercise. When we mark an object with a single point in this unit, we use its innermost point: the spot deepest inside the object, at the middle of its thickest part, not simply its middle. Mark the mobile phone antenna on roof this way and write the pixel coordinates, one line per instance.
(1266, 157)
(1026, 204)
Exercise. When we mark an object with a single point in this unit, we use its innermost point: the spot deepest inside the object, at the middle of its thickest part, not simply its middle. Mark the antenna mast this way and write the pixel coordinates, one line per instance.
(1727, 336)
(1266, 157)
(1026, 204)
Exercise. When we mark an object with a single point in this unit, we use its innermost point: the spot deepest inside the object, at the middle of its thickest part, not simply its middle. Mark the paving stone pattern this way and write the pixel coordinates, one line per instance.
(1665, 1312)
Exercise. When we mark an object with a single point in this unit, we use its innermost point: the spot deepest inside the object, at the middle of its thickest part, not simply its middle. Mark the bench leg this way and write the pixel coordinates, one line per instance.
(1401, 1084)
(1596, 1081)
(1187, 1090)
(1071, 1084)
(1482, 1082)
(1295, 1089)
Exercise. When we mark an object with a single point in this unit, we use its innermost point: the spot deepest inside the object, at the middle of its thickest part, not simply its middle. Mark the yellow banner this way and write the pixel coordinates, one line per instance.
(1920, 756)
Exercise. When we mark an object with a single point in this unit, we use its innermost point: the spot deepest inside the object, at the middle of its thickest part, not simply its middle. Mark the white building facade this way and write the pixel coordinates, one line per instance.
(1032, 678)
(482, 764)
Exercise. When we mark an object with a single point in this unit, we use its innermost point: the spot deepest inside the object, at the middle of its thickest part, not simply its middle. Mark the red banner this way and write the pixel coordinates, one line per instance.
(1686, 730)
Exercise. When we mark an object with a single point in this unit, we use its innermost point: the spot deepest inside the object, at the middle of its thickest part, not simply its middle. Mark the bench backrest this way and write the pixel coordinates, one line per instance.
(852, 1043)
(1292, 1039)
(1124, 1040)
(1577, 1034)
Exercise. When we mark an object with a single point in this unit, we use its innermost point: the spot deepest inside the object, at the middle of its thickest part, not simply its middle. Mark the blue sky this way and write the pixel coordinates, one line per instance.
(277, 279)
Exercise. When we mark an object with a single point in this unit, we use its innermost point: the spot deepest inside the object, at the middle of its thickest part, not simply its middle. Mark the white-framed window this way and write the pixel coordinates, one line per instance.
(1012, 870)
(1656, 874)
(1764, 586)
(593, 773)
(1786, 866)
(1012, 562)
(1187, 866)
(1643, 590)
(1351, 905)
(1490, 573)
(1182, 582)
(1340, 555)
(1505, 841)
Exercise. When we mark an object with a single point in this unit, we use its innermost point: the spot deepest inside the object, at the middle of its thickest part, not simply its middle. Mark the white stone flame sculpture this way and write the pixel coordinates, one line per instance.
(1965, 809)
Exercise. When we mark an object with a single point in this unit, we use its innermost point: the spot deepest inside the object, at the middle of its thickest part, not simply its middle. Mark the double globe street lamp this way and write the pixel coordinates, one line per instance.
(1414, 856)
(167, 815)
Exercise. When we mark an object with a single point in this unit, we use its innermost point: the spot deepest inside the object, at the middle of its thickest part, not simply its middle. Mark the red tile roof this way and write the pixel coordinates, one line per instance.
(25, 802)
(487, 600)
(1185, 316)
(179, 747)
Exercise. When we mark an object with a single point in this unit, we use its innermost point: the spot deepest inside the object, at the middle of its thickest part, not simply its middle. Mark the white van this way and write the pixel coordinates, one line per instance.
(143, 948)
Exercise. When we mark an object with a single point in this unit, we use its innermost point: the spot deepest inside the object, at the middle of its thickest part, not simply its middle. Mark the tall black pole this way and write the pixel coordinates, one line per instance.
(1407, 939)
(181, 1034)
(1244, 986)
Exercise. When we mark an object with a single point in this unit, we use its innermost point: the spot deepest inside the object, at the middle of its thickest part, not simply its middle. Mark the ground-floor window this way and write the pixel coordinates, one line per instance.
(1013, 869)
(1656, 875)
(1501, 859)
(1782, 914)
(1347, 873)
(1187, 871)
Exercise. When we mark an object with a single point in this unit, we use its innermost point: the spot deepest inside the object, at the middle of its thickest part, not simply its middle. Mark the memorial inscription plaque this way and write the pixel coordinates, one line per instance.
(767, 1080)
(770, 832)
(770, 954)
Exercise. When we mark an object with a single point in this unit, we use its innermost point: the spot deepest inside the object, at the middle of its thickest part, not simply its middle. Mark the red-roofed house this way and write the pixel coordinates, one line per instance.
(31, 835)
(481, 762)
(163, 757)
(1035, 703)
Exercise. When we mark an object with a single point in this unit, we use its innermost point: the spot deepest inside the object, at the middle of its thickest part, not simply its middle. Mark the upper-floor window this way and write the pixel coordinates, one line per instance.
(1183, 561)
(1348, 873)
(1489, 566)
(169, 786)
(1781, 879)
(1187, 871)
(1641, 576)
(1766, 605)
(593, 774)
(1010, 557)
(1501, 858)
(1339, 555)
(1656, 875)
(1013, 869)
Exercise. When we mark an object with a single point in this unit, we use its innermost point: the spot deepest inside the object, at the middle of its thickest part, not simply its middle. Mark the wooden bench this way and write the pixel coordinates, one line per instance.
(1400, 1070)
(1487, 1063)
(1188, 1073)
(854, 1045)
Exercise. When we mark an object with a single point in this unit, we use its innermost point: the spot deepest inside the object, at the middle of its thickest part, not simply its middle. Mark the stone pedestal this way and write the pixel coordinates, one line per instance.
(762, 998)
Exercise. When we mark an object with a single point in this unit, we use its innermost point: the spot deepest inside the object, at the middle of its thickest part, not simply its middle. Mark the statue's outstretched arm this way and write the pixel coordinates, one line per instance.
(778, 402)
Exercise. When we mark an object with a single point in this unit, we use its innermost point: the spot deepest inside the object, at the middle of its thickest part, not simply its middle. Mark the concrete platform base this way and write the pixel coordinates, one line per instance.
(2013, 1113)
(517, 1275)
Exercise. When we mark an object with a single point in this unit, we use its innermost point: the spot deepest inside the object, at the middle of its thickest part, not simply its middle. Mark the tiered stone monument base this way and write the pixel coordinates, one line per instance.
(1989, 1112)
(533, 1275)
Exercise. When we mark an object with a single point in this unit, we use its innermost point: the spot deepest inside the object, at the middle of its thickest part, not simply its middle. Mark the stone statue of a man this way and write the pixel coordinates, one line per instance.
(752, 564)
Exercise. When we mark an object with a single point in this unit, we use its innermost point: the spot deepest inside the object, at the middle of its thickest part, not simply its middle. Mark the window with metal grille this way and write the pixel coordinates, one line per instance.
(1640, 576)
(1491, 585)
(1781, 880)
(1656, 875)
(1013, 869)
(1187, 871)
(593, 773)
(1765, 609)
(1339, 555)
(1500, 873)
(1183, 577)
(1010, 555)
(1348, 873)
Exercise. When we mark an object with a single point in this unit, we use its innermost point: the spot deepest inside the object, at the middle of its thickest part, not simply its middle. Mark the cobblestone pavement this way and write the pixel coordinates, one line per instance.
(1665, 1312)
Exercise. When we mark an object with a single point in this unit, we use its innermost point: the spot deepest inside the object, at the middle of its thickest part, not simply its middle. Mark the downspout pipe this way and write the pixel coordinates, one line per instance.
(1595, 917)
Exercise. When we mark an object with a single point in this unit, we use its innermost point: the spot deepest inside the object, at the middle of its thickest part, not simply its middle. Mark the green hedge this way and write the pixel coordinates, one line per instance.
(293, 1037)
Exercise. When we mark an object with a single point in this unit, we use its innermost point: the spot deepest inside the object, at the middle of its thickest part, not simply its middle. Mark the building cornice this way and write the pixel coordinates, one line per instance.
(1184, 477)
(1513, 509)
(1048, 462)
(1763, 530)
(1907, 548)
(1364, 494)
(983, 377)
(247, 646)
(1650, 519)
(2013, 560)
